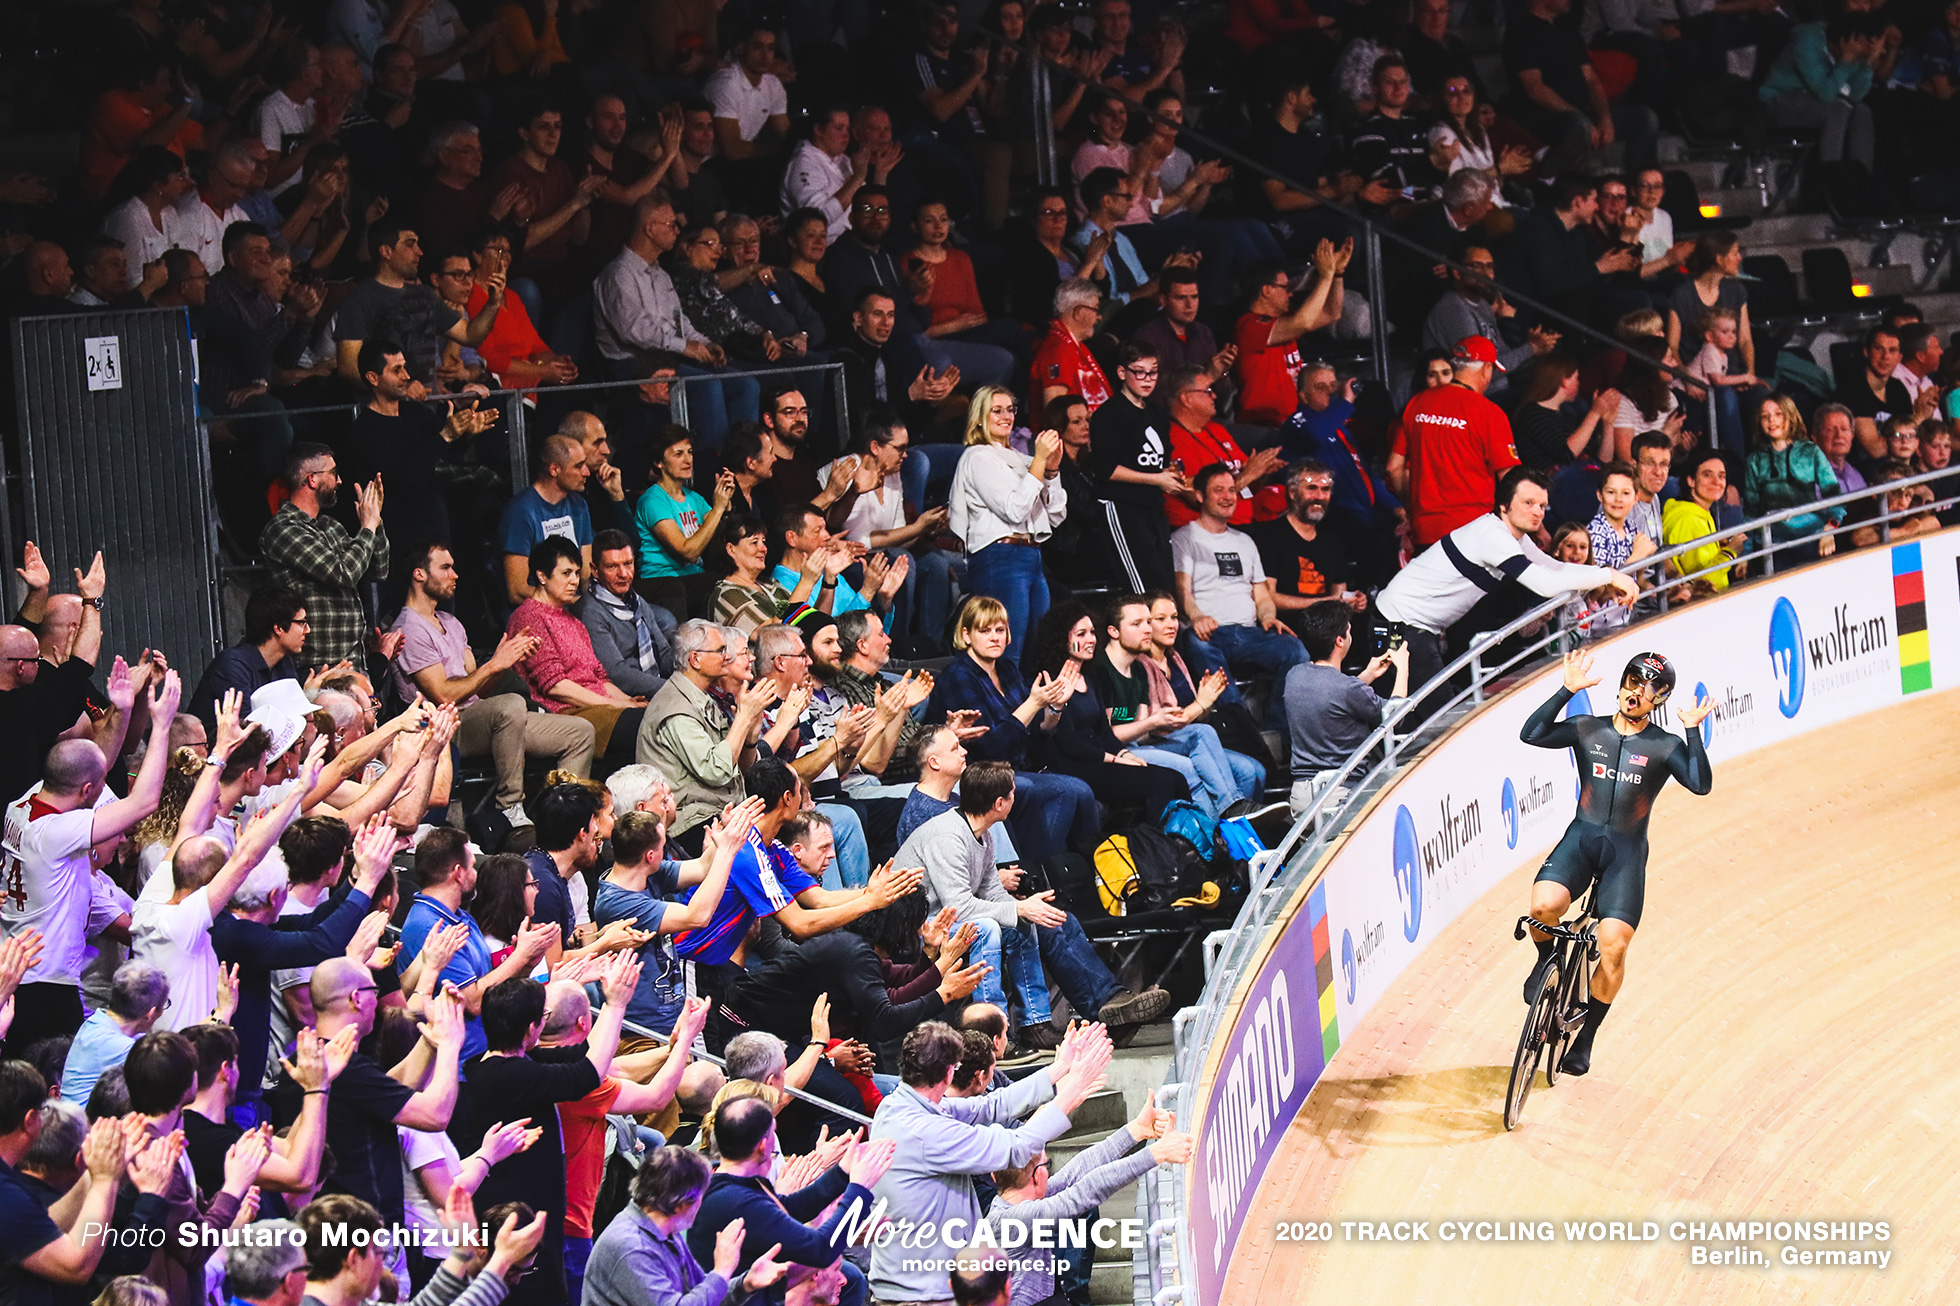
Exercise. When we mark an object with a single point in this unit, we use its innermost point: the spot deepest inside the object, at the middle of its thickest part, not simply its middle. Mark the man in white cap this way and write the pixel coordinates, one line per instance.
(1452, 446)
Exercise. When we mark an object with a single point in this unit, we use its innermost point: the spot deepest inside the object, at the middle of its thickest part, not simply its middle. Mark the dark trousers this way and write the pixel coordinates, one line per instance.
(43, 1011)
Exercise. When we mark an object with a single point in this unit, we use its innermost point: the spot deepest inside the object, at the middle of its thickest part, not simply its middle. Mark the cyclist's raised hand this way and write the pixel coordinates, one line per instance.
(1693, 715)
(1578, 671)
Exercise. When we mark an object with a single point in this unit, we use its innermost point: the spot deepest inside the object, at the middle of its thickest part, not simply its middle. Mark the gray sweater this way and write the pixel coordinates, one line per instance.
(939, 1147)
(959, 870)
(1076, 1189)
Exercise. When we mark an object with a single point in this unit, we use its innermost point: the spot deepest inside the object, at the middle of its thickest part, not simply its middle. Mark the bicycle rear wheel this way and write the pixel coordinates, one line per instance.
(1539, 1022)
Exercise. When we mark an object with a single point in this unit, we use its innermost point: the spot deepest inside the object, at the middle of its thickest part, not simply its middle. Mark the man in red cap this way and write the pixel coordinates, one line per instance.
(1452, 446)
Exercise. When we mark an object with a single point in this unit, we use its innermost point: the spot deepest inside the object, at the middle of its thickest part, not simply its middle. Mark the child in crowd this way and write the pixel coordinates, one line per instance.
(1614, 543)
(1719, 329)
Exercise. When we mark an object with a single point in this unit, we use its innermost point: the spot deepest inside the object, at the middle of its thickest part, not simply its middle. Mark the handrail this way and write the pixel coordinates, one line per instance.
(712, 1059)
(1323, 823)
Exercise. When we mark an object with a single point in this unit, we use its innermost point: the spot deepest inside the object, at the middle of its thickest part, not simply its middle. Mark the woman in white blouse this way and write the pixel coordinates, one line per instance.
(147, 221)
(1002, 506)
(1460, 140)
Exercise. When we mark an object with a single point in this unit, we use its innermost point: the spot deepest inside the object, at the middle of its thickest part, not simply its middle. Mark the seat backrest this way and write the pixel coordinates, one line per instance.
(1775, 291)
(1847, 363)
(1827, 279)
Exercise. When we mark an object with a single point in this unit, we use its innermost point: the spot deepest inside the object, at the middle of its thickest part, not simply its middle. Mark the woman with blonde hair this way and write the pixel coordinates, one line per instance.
(1003, 504)
(980, 687)
(1787, 468)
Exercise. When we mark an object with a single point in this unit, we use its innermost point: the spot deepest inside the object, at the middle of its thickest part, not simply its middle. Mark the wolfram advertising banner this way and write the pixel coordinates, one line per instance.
(1778, 658)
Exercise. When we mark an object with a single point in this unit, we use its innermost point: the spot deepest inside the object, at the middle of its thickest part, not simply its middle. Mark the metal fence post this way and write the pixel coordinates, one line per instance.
(1044, 124)
(520, 445)
(1377, 303)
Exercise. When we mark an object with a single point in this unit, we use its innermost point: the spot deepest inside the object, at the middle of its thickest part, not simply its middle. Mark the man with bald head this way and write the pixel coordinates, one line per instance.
(367, 1103)
(46, 281)
(582, 1124)
(606, 499)
(170, 926)
(745, 1135)
(56, 836)
(553, 504)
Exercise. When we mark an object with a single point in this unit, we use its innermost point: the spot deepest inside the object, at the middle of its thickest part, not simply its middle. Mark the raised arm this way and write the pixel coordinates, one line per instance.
(1543, 729)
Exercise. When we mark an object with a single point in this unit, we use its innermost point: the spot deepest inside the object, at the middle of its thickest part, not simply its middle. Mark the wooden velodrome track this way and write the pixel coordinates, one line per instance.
(1784, 1048)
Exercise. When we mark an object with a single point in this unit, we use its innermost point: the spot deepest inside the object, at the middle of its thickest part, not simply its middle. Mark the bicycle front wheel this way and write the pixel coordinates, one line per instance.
(1538, 1025)
(1574, 988)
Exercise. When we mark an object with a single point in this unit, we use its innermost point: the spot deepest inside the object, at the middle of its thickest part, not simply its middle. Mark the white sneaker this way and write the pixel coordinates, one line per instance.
(515, 815)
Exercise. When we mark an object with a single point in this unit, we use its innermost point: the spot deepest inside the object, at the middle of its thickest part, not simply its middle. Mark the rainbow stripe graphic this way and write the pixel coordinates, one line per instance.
(1323, 971)
(1909, 598)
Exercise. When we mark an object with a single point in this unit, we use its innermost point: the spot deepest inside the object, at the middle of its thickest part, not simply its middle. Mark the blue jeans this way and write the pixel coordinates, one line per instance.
(577, 1252)
(1070, 959)
(1011, 573)
(1178, 762)
(1022, 958)
(1231, 776)
(979, 363)
(928, 465)
(713, 400)
(1051, 811)
(926, 597)
(851, 866)
(1249, 648)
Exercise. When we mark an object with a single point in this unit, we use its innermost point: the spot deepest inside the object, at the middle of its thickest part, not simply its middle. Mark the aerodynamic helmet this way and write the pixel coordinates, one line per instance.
(1656, 671)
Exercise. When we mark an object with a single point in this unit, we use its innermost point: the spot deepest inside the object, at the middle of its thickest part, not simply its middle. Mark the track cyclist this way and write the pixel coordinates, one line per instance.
(1623, 760)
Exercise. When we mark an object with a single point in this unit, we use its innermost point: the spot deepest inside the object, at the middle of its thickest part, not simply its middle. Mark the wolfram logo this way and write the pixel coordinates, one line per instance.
(1517, 807)
(1786, 659)
(1408, 873)
(1355, 960)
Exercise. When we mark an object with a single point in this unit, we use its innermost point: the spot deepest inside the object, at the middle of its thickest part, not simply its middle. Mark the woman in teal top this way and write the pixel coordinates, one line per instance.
(1786, 469)
(676, 525)
(1821, 79)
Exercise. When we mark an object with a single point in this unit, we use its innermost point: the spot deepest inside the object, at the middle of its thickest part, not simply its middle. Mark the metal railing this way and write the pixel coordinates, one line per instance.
(394, 932)
(512, 400)
(1408, 726)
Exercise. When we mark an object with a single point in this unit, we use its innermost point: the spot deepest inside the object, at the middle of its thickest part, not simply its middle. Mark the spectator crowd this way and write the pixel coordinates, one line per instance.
(652, 864)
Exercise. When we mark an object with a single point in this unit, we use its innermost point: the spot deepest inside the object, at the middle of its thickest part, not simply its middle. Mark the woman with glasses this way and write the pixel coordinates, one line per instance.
(1003, 504)
(506, 900)
(1040, 260)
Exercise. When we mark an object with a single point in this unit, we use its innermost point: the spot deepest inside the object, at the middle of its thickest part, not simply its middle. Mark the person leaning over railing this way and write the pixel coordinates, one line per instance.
(1444, 582)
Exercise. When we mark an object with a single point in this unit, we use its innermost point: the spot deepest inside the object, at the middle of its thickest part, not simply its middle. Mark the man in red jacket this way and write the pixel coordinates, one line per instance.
(1452, 447)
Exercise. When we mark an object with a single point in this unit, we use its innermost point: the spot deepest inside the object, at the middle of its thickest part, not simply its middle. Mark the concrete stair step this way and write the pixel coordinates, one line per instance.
(1112, 1282)
(1103, 1112)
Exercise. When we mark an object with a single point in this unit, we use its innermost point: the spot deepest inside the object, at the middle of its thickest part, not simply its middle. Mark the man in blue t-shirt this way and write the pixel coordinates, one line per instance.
(445, 867)
(554, 504)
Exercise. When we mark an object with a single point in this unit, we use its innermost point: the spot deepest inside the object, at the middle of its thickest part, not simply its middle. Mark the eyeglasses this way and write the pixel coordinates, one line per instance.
(1141, 373)
(874, 208)
(19, 662)
(1051, 213)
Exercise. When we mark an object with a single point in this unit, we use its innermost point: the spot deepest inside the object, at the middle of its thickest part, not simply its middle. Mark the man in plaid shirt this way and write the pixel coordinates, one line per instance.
(314, 555)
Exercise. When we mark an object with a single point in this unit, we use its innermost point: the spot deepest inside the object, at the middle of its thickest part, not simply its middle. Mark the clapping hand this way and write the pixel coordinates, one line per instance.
(33, 571)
